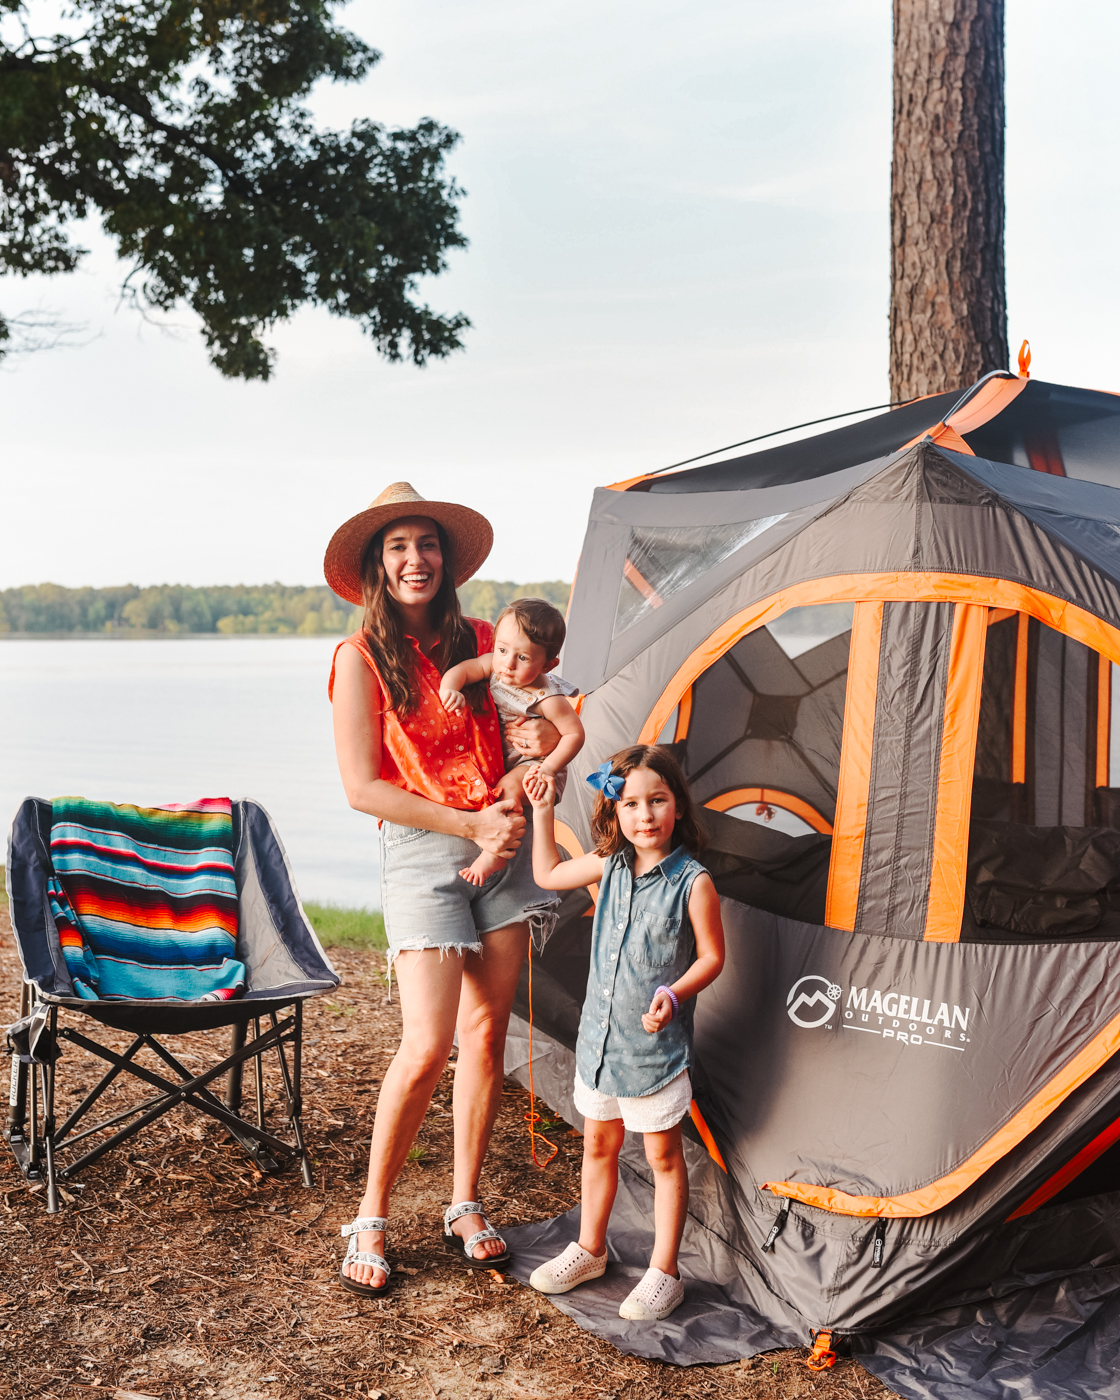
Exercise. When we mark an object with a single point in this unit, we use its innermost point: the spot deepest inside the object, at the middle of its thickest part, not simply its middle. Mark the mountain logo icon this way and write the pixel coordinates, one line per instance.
(812, 1001)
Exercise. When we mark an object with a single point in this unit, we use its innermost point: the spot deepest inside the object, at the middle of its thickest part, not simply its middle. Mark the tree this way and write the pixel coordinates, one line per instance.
(948, 318)
(182, 124)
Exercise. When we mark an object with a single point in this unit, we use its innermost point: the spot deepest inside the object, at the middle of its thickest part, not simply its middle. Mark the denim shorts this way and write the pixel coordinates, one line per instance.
(427, 904)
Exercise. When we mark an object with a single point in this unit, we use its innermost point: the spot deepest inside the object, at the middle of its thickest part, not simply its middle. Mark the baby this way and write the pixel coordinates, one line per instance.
(527, 641)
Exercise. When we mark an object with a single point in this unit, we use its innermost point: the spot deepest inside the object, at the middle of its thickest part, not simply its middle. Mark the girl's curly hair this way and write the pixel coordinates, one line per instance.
(605, 829)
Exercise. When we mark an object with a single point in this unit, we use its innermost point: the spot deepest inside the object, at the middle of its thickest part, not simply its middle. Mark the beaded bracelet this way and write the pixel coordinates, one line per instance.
(673, 998)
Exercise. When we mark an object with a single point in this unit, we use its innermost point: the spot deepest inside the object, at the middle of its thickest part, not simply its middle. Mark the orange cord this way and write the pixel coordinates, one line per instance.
(821, 1358)
(533, 1117)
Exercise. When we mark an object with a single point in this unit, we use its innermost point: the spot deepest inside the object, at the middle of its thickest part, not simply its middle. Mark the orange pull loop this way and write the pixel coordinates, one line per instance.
(533, 1117)
(1025, 360)
(821, 1358)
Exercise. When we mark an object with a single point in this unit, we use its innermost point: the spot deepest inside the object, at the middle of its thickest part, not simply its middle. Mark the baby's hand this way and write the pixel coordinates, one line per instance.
(659, 1015)
(540, 788)
(453, 700)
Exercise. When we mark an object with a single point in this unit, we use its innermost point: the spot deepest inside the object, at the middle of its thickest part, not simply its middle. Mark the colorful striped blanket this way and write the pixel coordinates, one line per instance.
(145, 901)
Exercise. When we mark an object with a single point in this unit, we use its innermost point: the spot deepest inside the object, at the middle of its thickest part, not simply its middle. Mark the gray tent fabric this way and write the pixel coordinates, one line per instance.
(1058, 1340)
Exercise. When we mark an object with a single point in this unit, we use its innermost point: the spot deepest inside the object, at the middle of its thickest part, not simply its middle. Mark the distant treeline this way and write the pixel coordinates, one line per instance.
(267, 608)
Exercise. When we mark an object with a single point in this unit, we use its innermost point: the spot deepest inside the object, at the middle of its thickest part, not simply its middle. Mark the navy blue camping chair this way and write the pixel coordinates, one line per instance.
(285, 965)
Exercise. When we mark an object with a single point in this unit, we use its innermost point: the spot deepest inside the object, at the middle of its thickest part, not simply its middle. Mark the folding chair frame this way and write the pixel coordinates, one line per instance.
(36, 1140)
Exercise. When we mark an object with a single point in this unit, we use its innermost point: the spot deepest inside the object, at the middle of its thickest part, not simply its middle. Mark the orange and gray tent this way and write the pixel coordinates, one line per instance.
(887, 659)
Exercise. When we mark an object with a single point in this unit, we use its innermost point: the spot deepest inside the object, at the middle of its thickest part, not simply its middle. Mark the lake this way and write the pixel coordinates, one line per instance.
(169, 721)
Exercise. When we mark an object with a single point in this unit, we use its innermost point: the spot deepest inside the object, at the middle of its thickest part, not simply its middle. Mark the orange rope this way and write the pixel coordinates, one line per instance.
(533, 1117)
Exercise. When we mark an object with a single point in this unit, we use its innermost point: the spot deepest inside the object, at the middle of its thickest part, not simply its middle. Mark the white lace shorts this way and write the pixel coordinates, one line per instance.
(653, 1113)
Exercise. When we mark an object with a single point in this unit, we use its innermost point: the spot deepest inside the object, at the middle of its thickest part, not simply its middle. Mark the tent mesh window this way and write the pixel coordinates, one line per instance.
(759, 736)
(661, 560)
(1044, 838)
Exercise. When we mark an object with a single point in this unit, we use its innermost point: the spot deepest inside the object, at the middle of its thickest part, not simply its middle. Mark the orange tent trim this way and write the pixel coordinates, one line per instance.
(945, 907)
(1019, 704)
(706, 1136)
(930, 587)
(938, 1194)
(1072, 1169)
(854, 784)
(1104, 719)
(739, 797)
(567, 838)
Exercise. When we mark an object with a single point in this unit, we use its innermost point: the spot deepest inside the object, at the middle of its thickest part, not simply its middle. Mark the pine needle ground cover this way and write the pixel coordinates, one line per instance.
(179, 1271)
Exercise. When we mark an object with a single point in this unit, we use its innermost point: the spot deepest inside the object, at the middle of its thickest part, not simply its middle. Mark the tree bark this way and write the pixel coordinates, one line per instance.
(948, 321)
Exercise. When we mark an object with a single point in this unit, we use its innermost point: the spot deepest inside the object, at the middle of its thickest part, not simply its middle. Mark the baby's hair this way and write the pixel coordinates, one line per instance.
(542, 623)
(605, 829)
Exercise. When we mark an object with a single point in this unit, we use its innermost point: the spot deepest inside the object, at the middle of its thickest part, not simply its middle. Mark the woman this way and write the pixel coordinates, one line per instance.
(427, 776)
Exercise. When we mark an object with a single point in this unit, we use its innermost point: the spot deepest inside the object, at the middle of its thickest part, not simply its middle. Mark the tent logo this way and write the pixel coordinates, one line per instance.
(815, 996)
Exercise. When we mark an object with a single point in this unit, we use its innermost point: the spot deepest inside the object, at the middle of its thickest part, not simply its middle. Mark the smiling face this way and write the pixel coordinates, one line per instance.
(413, 561)
(647, 811)
(517, 660)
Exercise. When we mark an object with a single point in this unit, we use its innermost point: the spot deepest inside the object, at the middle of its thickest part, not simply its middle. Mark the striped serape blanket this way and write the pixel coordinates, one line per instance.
(145, 901)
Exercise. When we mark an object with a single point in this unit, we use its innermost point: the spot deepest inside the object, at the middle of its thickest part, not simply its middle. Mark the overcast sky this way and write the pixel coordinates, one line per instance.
(679, 223)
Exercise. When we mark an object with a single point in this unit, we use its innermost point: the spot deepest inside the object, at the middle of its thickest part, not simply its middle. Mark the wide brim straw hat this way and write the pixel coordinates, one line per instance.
(471, 535)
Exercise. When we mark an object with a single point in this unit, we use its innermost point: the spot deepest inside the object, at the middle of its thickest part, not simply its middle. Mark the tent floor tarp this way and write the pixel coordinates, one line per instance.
(1027, 1336)
(1055, 1340)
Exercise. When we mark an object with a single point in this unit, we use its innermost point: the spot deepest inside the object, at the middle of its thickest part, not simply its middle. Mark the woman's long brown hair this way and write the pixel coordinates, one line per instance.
(384, 631)
(605, 829)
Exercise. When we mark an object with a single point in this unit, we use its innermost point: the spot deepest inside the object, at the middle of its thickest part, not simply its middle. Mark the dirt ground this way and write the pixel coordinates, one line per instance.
(180, 1271)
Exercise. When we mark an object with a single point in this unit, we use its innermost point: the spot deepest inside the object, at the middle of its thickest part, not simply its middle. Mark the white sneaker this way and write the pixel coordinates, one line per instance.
(567, 1270)
(655, 1297)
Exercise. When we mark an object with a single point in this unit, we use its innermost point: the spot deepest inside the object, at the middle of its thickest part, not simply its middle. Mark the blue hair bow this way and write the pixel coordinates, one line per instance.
(609, 784)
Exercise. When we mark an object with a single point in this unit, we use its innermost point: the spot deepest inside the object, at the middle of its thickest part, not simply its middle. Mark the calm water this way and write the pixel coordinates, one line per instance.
(171, 721)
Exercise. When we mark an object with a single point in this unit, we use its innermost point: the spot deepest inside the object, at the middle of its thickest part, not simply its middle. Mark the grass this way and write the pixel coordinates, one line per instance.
(347, 928)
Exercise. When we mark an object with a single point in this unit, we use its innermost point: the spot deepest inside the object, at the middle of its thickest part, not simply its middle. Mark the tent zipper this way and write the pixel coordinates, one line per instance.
(778, 1226)
(880, 1242)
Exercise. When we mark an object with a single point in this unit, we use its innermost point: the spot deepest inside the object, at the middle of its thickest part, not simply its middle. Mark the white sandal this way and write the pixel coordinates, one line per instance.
(354, 1255)
(465, 1248)
(575, 1266)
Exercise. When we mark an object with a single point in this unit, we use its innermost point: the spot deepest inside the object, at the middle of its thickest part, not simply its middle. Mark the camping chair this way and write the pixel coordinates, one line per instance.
(284, 966)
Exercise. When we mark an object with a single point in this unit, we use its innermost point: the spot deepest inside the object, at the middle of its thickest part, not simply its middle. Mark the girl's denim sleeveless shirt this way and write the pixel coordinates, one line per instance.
(642, 938)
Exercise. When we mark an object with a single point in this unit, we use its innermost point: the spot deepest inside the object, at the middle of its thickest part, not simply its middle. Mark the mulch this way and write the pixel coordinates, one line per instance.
(179, 1270)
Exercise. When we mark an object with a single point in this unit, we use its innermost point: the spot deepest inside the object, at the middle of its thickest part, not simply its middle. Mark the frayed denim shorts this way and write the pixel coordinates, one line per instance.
(427, 904)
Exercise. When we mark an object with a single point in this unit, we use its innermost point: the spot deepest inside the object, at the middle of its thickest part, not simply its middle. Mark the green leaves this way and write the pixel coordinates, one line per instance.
(181, 123)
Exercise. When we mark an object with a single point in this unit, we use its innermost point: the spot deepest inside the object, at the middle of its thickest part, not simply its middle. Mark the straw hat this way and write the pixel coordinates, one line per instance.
(471, 536)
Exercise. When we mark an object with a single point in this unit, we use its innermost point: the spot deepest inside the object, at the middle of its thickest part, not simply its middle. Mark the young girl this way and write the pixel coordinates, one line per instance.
(657, 942)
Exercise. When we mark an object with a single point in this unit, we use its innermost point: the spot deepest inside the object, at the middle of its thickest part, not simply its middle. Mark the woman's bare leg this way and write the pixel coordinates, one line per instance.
(489, 985)
(429, 983)
(602, 1142)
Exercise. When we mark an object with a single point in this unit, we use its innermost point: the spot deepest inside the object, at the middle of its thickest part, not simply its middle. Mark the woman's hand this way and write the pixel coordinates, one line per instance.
(660, 1013)
(540, 788)
(497, 828)
(535, 738)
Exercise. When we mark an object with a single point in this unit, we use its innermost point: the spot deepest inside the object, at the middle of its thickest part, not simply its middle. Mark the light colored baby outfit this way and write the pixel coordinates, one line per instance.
(520, 702)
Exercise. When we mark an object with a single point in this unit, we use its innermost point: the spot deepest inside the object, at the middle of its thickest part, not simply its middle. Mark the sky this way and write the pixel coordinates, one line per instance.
(678, 217)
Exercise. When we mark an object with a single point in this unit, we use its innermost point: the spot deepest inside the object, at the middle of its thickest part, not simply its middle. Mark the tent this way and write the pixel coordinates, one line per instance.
(887, 659)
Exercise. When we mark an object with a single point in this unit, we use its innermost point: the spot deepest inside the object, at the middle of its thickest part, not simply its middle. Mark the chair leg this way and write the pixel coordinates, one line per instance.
(17, 1092)
(233, 1080)
(292, 1094)
(258, 1066)
(48, 1114)
(34, 1147)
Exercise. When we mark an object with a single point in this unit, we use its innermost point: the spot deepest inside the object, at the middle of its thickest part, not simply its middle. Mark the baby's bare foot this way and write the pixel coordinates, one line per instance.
(485, 866)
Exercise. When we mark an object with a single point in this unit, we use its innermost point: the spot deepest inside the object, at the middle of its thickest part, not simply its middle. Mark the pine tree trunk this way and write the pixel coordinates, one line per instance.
(948, 298)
